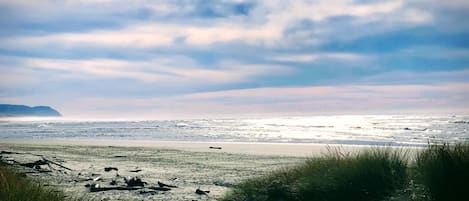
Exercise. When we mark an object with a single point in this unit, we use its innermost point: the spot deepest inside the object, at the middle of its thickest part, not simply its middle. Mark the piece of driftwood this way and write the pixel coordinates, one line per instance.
(113, 182)
(58, 164)
(159, 188)
(37, 171)
(120, 188)
(214, 147)
(222, 183)
(97, 178)
(7, 152)
(44, 160)
(138, 170)
(201, 192)
(36, 164)
(83, 180)
(166, 185)
(107, 169)
(134, 181)
(147, 192)
(98, 188)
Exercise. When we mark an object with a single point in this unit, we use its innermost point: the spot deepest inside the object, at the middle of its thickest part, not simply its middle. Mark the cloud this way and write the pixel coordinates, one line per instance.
(290, 100)
(265, 25)
(319, 56)
(170, 70)
(400, 77)
(117, 38)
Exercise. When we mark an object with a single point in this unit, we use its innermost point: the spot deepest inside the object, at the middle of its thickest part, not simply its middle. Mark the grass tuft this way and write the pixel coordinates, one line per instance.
(369, 175)
(444, 170)
(15, 187)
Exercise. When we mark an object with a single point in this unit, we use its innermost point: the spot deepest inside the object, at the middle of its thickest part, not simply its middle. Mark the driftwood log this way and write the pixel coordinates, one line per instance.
(166, 185)
(158, 188)
(120, 188)
(36, 164)
(201, 192)
(107, 169)
(134, 181)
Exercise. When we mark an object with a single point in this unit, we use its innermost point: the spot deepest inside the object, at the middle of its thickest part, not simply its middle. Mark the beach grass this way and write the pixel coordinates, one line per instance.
(16, 187)
(369, 175)
(444, 171)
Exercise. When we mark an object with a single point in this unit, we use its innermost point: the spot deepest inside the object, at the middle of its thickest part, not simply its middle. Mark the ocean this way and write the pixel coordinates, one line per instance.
(402, 130)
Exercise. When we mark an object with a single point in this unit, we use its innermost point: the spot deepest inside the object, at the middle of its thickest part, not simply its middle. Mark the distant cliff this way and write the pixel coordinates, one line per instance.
(26, 111)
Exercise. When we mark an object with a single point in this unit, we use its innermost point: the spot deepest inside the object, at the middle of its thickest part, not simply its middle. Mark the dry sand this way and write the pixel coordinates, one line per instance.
(188, 165)
(272, 149)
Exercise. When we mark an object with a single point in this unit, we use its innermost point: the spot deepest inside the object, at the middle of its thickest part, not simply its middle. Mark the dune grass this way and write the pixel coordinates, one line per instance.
(440, 172)
(444, 171)
(367, 176)
(15, 187)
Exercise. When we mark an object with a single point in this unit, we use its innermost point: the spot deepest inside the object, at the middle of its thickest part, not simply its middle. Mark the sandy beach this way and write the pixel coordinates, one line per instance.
(187, 165)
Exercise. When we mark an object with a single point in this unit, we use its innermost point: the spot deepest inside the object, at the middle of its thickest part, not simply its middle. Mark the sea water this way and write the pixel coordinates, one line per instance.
(411, 130)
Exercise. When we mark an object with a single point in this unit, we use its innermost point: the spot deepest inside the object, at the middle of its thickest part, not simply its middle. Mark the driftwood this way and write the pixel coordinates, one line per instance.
(35, 164)
(222, 183)
(37, 171)
(147, 192)
(158, 188)
(214, 147)
(201, 192)
(97, 178)
(107, 169)
(82, 180)
(134, 181)
(120, 188)
(138, 170)
(166, 185)
(58, 164)
(7, 152)
(113, 182)
(98, 188)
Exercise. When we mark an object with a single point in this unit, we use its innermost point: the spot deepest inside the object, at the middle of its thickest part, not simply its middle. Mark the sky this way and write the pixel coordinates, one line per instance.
(201, 58)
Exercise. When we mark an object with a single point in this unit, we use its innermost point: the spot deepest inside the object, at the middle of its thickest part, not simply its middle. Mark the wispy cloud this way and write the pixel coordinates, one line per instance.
(294, 100)
(315, 57)
(157, 70)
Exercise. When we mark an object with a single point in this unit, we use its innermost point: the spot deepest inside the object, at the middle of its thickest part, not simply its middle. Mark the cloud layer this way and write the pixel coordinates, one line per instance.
(233, 56)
